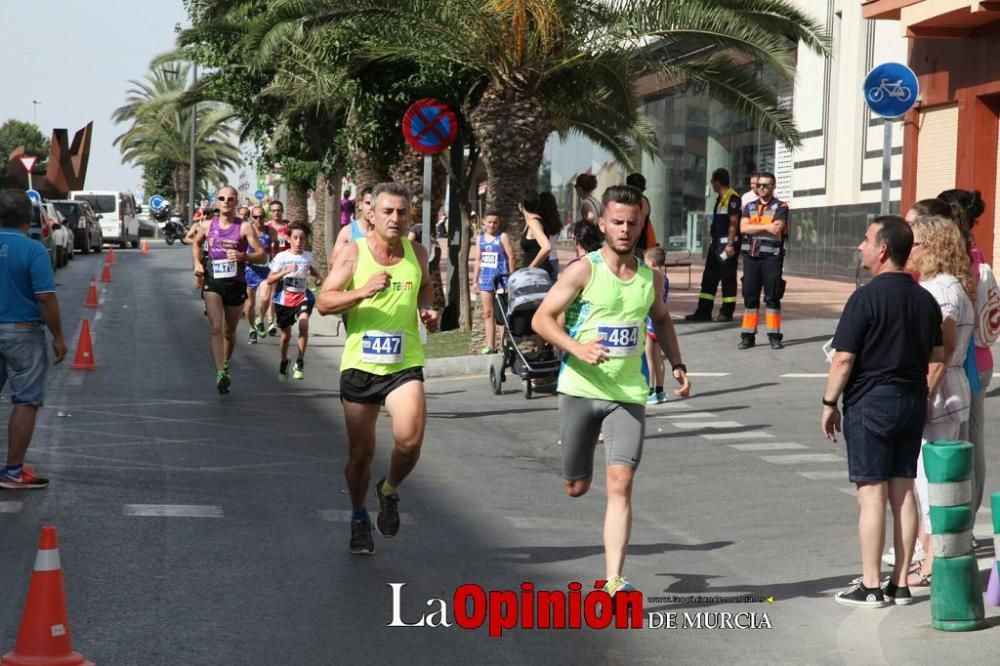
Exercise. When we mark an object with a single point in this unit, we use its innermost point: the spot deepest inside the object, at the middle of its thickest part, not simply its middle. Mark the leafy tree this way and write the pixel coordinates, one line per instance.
(159, 127)
(156, 179)
(14, 133)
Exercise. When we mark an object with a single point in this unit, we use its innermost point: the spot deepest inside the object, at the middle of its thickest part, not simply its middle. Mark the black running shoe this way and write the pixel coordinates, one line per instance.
(863, 597)
(387, 520)
(897, 595)
(361, 538)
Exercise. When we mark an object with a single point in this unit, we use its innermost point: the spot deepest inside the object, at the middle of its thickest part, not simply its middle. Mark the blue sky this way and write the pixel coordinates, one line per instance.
(76, 57)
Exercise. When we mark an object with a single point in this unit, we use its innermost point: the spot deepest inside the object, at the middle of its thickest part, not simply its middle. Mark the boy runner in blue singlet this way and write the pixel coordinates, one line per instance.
(494, 257)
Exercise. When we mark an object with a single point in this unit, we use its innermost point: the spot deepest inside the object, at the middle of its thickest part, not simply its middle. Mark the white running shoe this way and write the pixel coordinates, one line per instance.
(919, 554)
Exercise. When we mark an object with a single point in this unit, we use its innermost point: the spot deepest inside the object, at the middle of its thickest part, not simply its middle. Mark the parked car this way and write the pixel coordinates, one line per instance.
(82, 221)
(117, 213)
(41, 230)
(62, 237)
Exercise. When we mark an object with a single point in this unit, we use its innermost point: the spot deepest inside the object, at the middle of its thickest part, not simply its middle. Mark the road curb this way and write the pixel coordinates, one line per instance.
(457, 366)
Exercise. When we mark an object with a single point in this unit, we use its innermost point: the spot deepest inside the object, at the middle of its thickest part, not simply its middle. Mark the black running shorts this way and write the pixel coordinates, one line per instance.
(233, 292)
(287, 316)
(361, 386)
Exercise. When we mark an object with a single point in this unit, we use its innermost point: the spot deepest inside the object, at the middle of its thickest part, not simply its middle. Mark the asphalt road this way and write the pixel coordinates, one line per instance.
(737, 496)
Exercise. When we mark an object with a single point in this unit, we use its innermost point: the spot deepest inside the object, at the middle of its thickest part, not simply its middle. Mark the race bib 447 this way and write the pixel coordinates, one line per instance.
(382, 347)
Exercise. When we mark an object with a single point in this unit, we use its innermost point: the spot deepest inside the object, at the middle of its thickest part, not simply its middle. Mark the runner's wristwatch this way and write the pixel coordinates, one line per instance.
(829, 403)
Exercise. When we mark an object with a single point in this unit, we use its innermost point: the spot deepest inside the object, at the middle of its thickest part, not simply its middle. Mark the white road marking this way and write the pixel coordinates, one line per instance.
(767, 446)
(853, 492)
(690, 415)
(705, 425)
(804, 375)
(174, 510)
(839, 475)
(796, 458)
(344, 516)
(11, 507)
(544, 522)
(708, 374)
(750, 434)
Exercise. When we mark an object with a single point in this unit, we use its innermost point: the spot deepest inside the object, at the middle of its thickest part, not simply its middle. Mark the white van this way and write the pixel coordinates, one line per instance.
(116, 211)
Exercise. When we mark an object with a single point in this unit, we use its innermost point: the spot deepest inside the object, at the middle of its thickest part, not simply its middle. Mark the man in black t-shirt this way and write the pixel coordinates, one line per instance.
(888, 334)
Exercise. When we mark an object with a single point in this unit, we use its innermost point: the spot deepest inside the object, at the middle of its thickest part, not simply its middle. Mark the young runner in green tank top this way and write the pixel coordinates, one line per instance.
(606, 298)
(382, 281)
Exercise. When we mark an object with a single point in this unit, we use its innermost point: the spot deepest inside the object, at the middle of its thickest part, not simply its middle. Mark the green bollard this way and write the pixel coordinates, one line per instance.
(956, 602)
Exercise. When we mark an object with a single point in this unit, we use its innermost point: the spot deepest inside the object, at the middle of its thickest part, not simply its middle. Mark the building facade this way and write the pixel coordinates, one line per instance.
(832, 181)
(952, 134)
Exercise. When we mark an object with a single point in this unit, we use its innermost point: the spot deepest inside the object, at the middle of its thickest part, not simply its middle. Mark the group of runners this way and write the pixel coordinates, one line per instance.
(379, 283)
(246, 267)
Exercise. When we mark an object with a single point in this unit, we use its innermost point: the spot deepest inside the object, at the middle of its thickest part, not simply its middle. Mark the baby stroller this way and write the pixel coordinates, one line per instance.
(513, 310)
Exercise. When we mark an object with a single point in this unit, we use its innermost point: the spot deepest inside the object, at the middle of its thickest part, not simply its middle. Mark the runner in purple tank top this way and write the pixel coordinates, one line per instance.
(223, 278)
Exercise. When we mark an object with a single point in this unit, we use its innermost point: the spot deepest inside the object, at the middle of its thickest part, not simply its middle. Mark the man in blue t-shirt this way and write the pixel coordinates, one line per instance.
(888, 336)
(29, 303)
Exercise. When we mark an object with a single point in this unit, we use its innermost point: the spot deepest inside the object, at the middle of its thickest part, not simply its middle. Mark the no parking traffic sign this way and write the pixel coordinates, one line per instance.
(429, 126)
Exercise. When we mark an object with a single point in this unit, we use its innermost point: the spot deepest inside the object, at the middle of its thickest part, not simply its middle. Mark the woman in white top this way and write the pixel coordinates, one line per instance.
(939, 256)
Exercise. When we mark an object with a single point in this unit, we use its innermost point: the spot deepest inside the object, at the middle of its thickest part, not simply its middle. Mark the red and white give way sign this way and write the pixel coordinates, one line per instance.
(28, 162)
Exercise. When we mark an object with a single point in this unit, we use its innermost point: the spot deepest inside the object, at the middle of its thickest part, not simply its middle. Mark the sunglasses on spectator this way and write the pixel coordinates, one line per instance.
(766, 186)
(230, 199)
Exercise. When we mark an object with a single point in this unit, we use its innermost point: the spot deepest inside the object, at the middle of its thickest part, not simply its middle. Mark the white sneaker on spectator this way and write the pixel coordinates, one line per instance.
(918, 555)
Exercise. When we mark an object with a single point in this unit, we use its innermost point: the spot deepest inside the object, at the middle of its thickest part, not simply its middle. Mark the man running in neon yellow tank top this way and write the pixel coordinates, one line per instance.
(381, 280)
(606, 298)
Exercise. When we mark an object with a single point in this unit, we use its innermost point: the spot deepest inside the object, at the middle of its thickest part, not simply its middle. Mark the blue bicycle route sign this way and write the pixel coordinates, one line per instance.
(891, 89)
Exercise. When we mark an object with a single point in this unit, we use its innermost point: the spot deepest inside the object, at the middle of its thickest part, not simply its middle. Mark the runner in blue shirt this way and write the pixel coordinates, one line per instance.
(494, 256)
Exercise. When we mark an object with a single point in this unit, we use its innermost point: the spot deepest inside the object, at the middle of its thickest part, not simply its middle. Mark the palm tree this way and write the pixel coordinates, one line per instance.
(159, 127)
(571, 65)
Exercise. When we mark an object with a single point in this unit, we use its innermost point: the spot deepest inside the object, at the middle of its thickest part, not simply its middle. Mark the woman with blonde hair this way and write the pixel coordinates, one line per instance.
(939, 256)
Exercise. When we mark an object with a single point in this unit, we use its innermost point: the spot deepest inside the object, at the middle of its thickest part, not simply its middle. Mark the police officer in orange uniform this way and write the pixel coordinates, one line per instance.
(720, 265)
(764, 225)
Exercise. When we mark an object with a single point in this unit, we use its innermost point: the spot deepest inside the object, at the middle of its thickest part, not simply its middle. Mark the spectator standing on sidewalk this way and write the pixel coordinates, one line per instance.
(29, 302)
(939, 255)
(723, 253)
(347, 208)
(764, 227)
(751, 194)
(972, 206)
(888, 336)
(590, 206)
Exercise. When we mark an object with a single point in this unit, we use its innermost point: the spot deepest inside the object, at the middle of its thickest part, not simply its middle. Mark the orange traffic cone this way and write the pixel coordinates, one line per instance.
(111, 256)
(92, 299)
(84, 359)
(106, 275)
(145, 247)
(44, 636)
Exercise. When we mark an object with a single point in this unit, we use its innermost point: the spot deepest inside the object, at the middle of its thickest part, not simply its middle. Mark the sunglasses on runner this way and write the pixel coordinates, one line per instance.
(229, 199)
(766, 186)
(257, 217)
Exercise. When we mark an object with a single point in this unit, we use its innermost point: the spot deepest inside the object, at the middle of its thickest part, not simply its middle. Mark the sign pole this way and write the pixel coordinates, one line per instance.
(428, 174)
(30, 186)
(886, 164)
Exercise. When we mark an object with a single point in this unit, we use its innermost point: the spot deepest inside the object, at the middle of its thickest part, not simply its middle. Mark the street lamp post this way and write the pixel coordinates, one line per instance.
(34, 111)
(194, 129)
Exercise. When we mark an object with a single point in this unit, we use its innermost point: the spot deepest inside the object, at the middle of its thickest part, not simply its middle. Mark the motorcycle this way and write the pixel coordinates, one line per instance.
(174, 230)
